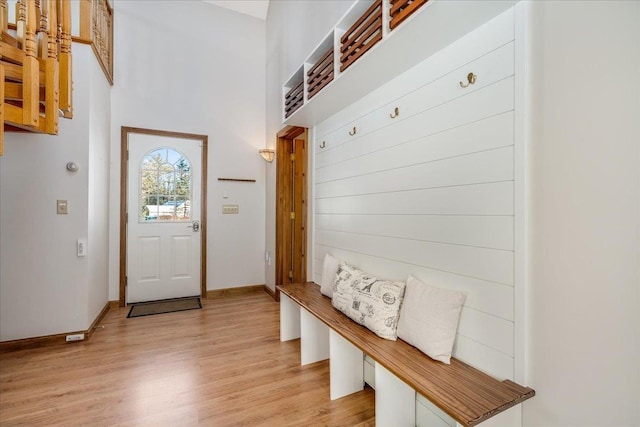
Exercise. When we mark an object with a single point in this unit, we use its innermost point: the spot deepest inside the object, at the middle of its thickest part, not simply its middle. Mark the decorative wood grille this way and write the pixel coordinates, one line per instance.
(293, 99)
(362, 36)
(402, 9)
(321, 74)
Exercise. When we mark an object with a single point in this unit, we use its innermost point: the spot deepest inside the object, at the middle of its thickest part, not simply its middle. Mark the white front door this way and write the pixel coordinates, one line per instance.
(163, 217)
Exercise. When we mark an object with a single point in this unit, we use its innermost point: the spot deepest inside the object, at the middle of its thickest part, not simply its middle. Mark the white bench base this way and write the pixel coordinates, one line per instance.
(397, 404)
(346, 367)
(395, 400)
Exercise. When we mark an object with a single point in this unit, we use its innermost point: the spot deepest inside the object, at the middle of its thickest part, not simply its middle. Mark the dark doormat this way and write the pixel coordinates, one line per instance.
(164, 306)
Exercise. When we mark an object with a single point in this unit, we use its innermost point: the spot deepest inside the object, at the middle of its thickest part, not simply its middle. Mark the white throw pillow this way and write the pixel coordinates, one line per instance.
(429, 318)
(329, 272)
(368, 301)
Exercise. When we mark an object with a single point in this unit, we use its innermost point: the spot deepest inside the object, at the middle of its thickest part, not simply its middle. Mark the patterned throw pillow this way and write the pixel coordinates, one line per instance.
(368, 301)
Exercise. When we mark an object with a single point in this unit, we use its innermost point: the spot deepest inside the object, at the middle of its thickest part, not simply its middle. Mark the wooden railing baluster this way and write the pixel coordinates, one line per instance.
(52, 72)
(66, 99)
(52, 31)
(21, 21)
(41, 35)
(96, 27)
(85, 19)
(4, 16)
(30, 71)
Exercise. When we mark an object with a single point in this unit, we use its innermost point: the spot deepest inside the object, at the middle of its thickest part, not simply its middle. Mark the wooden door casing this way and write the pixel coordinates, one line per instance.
(291, 205)
(124, 167)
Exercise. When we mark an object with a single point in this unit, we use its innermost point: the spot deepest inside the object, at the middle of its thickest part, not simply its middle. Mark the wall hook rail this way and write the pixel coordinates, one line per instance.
(396, 113)
(353, 132)
(471, 79)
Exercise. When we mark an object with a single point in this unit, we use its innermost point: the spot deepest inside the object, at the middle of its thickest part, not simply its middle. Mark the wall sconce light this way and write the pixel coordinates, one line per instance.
(268, 154)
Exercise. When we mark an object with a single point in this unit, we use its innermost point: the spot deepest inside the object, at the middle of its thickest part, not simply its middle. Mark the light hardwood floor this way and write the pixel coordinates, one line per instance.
(223, 365)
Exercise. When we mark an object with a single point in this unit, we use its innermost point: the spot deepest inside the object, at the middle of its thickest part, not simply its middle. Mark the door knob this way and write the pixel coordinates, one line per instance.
(195, 226)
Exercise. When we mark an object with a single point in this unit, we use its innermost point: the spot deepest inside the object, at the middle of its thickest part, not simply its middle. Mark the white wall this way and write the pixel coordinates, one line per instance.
(294, 29)
(582, 346)
(44, 287)
(98, 235)
(196, 68)
(585, 280)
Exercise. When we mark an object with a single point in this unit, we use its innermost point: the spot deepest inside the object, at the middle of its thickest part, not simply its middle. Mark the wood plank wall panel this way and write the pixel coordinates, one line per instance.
(494, 232)
(490, 132)
(484, 296)
(478, 199)
(497, 65)
(431, 191)
(474, 168)
(481, 263)
(465, 110)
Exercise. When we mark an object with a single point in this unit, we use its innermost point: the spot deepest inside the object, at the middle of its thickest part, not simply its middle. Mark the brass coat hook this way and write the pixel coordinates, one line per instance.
(471, 79)
(324, 144)
(353, 132)
(396, 113)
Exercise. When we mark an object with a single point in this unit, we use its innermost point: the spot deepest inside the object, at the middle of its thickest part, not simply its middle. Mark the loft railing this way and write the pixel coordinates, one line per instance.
(35, 66)
(35, 59)
(96, 27)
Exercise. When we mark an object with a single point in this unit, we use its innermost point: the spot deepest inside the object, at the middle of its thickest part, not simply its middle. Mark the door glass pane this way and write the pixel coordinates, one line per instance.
(165, 187)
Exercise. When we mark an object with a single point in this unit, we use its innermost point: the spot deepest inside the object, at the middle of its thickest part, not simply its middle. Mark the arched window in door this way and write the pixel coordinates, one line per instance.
(165, 186)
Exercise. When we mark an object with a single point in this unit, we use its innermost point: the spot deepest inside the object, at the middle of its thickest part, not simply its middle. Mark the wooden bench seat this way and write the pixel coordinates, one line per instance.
(466, 394)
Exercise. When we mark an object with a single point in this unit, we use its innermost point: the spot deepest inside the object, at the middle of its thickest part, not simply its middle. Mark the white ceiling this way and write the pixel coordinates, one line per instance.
(257, 8)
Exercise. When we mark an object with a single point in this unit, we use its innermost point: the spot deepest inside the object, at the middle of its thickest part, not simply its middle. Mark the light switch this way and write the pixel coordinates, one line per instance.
(62, 207)
(230, 209)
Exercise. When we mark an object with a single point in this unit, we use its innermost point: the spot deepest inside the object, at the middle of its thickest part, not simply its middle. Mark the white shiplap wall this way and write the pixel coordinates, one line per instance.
(431, 192)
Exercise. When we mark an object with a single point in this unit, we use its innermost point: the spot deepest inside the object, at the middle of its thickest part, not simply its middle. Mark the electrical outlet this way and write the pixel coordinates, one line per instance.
(230, 209)
(75, 337)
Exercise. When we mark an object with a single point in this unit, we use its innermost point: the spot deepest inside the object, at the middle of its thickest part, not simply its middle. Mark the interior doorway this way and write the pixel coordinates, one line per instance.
(291, 205)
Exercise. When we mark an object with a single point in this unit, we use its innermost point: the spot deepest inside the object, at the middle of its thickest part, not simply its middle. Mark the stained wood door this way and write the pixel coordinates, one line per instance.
(291, 206)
